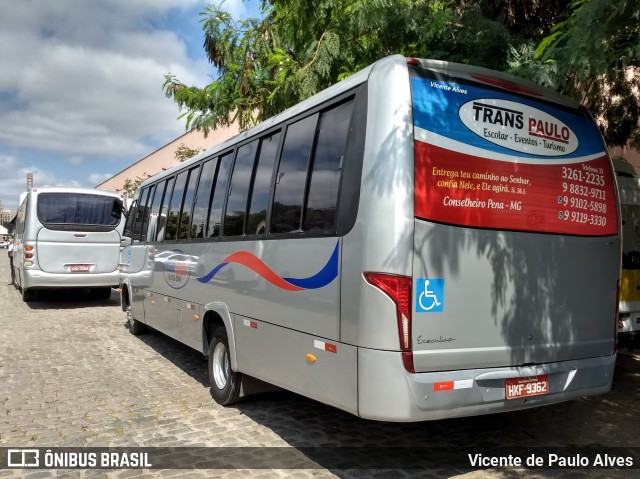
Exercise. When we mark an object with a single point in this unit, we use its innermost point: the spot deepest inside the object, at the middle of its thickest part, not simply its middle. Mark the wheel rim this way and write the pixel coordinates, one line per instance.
(221, 369)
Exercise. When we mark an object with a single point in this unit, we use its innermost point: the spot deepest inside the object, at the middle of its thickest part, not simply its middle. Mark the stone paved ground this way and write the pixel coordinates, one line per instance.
(71, 375)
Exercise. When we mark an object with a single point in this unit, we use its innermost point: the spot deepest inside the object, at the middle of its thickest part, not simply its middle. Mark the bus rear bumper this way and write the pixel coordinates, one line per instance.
(388, 393)
(40, 279)
(629, 326)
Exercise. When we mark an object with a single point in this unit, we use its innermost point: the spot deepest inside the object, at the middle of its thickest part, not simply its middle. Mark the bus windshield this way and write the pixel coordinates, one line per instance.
(77, 209)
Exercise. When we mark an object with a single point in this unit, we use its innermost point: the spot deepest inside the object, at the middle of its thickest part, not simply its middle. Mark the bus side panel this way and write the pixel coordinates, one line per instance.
(293, 283)
(512, 298)
(322, 370)
(382, 238)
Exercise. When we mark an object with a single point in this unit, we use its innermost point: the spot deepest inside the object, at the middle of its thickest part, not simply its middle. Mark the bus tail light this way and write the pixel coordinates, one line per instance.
(398, 289)
(28, 247)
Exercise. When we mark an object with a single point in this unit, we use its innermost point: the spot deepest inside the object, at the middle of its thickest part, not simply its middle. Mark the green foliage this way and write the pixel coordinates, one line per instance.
(596, 55)
(131, 186)
(586, 48)
(183, 152)
(266, 65)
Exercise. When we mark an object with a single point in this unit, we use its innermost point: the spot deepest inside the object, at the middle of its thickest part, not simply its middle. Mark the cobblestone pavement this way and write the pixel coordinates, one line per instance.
(71, 375)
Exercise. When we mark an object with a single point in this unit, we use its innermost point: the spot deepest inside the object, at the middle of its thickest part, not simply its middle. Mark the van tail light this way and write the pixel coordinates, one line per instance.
(398, 289)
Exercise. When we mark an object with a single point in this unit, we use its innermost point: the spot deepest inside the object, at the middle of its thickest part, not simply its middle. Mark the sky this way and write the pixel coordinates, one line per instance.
(81, 94)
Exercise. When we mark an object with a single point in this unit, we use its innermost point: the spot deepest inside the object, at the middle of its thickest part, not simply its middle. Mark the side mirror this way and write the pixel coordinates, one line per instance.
(117, 208)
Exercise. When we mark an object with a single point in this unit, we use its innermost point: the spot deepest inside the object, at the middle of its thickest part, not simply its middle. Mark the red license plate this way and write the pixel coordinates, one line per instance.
(516, 388)
(80, 268)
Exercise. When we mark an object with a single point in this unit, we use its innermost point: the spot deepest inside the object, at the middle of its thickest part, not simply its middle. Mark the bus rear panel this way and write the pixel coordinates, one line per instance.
(494, 241)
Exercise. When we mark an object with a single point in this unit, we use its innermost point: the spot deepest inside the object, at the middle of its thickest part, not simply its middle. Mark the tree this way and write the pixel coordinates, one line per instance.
(266, 65)
(131, 186)
(595, 56)
(587, 49)
(183, 152)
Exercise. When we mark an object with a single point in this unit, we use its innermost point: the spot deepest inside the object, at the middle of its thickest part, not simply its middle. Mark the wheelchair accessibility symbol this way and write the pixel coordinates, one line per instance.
(429, 295)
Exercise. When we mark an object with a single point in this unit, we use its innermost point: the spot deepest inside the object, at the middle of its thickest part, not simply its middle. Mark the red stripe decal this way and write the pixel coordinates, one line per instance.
(250, 261)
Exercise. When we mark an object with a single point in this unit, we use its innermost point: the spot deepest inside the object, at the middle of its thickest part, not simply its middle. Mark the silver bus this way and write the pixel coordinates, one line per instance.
(422, 240)
(68, 237)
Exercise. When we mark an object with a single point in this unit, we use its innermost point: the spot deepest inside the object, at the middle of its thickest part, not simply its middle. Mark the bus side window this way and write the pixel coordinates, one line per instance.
(139, 215)
(173, 217)
(236, 209)
(162, 191)
(291, 178)
(203, 198)
(185, 215)
(320, 208)
(219, 196)
(146, 207)
(261, 188)
(128, 225)
(166, 203)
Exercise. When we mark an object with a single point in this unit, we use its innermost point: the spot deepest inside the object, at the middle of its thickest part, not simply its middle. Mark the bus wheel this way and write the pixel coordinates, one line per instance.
(225, 383)
(135, 327)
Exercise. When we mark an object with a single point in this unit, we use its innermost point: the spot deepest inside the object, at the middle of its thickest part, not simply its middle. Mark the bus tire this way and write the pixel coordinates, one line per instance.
(225, 383)
(134, 326)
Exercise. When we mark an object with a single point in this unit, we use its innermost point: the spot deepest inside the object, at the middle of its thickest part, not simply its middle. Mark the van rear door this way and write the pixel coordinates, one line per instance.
(80, 233)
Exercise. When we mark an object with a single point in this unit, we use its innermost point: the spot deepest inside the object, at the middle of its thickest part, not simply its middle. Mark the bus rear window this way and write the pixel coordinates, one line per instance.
(487, 158)
(68, 210)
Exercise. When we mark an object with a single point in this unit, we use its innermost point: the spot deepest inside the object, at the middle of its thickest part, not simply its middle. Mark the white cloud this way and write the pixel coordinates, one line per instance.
(97, 178)
(13, 181)
(85, 78)
(81, 83)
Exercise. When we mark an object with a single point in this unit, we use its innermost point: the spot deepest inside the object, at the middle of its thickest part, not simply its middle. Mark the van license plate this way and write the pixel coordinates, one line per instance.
(516, 388)
(80, 268)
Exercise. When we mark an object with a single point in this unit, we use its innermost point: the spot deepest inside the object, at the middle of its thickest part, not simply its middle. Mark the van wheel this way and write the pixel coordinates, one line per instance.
(225, 383)
(135, 327)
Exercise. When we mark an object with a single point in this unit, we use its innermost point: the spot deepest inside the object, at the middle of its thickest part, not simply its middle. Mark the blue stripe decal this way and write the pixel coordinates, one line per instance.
(325, 276)
(212, 273)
